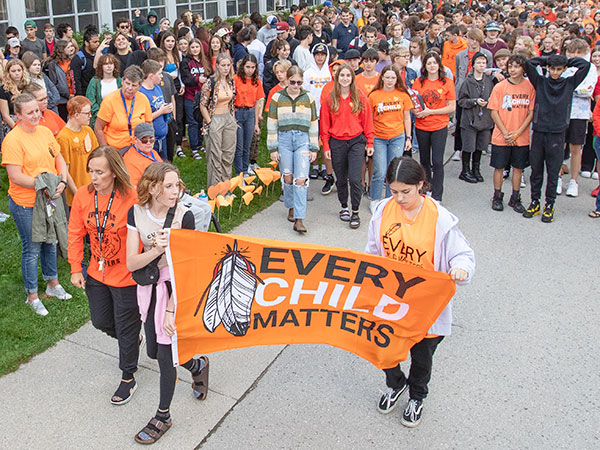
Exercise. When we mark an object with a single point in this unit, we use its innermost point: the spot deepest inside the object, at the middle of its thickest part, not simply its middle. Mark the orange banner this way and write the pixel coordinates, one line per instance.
(235, 291)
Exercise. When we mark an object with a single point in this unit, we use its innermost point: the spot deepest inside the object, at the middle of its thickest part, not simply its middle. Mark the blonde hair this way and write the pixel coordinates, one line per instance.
(283, 65)
(15, 88)
(336, 93)
(155, 175)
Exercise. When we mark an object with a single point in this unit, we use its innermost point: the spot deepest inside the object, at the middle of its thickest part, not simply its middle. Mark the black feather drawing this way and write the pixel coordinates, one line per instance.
(230, 293)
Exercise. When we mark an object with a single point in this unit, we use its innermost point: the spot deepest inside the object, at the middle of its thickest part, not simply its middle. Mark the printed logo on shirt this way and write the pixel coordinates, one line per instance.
(395, 248)
(383, 107)
(431, 97)
(319, 82)
(111, 241)
(515, 101)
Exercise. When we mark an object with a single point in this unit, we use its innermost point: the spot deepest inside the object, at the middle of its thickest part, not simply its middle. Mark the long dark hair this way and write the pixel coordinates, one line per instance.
(441, 71)
(406, 170)
(240, 69)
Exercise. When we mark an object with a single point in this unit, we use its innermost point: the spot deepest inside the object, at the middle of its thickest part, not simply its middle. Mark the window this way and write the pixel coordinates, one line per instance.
(206, 8)
(3, 21)
(125, 8)
(77, 13)
(239, 7)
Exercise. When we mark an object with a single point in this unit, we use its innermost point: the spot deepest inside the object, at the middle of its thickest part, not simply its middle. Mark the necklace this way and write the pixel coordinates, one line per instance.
(413, 220)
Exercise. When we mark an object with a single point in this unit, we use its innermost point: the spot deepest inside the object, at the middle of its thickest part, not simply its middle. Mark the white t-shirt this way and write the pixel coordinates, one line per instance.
(303, 58)
(106, 87)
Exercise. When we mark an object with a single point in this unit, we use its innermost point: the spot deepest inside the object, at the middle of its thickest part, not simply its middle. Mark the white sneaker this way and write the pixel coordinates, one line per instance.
(595, 176)
(586, 174)
(38, 307)
(58, 292)
(523, 181)
(559, 186)
(572, 189)
(373, 205)
(456, 156)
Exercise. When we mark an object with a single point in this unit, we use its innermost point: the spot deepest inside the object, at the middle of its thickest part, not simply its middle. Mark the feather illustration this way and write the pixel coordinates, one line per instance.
(230, 293)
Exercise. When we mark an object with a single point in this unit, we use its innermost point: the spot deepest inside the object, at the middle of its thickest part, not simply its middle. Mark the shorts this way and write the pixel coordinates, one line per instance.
(473, 139)
(576, 132)
(517, 156)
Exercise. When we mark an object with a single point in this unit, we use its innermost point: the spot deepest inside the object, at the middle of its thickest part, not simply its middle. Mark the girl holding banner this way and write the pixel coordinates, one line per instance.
(412, 228)
(158, 191)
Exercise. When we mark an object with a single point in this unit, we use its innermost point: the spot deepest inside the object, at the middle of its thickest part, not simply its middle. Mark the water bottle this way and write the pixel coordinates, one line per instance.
(202, 196)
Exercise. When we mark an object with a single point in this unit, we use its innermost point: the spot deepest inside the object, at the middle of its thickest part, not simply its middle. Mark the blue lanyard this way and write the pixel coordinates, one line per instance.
(129, 113)
(145, 154)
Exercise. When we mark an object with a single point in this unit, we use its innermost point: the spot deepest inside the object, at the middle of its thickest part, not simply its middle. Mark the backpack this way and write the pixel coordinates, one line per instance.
(83, 58)
(198, 97)
(200, 209)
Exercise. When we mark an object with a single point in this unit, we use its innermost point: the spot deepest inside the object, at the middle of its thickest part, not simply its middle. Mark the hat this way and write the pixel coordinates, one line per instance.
(383, 45)
(539, 22)
(282, 27)
(14, 42)
(502, 53)
(222, 32)
(30, 23)
(523, 16)
(492, 26)
(327, 3)
(478, 55)
(352, 54)
(143, 130)
(320, 48)
(272, 20)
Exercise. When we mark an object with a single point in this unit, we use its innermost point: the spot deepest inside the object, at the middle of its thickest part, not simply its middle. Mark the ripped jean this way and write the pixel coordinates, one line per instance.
(294, 158)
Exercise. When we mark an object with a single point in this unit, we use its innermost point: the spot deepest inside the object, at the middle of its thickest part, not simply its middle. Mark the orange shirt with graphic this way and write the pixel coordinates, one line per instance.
(82, 221)
(35, 152)
(247, 93)
(520, 98)
(113, 112)
(435, 94)
(136, 163)
(366, 85)
(75, 146)
(388, 112)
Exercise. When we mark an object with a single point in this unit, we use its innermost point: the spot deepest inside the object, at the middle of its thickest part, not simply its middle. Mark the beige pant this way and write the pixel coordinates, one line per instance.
(220, 148)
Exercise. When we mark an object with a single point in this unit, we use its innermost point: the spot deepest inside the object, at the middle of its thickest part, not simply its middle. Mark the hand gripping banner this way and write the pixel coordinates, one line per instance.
(235, 291)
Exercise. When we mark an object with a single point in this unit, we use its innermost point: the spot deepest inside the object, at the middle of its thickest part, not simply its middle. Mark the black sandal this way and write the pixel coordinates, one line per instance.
(124, 392)
(200, 381)
(154, 430)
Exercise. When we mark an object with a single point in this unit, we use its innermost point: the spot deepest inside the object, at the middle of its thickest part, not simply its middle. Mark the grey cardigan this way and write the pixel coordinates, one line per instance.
(49, 229)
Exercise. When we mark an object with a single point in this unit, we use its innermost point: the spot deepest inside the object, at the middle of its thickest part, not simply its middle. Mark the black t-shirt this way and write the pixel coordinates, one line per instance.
(4, 95)
(137, 57)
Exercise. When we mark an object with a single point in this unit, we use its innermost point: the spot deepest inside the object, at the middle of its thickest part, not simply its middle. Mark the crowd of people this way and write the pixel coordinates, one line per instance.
(352, 93)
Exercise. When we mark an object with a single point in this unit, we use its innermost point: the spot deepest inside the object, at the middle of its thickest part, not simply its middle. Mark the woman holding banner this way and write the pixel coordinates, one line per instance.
(430, 232)
(159, 190)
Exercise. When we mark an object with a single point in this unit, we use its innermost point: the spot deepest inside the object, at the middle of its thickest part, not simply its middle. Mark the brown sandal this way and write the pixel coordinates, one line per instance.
(594, 214)
(200, 383)
(155, 429)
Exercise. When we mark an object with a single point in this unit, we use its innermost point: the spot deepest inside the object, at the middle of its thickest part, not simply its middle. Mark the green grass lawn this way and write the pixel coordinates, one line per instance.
(24, 334)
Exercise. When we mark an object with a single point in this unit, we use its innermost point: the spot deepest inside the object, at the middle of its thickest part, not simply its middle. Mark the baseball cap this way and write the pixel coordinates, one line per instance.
(272, 20)
(327, 3)
(320, 48)
(523, 16)
(352, 54)
(539, 22)
(14, 42)
(144, 129)
(282, 27)
(221, 32)
(29, 23)
(492, 26)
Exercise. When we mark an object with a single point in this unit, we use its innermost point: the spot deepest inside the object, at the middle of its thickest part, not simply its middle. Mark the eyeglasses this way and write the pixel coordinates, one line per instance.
(87, 113)
(148, 140)
(295, 83)
(124, 26)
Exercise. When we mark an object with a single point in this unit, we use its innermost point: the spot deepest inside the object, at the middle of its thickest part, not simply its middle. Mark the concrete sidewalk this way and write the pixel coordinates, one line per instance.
(519, 371)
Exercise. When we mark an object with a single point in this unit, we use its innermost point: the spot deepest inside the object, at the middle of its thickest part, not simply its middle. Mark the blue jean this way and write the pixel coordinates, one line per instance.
(245, 131)
(188, 105)
(30, 251)
(294, 155)
(385, 151)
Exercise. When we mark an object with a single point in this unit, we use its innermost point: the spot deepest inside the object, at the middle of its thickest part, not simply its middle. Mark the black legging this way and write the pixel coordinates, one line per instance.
(431, 153)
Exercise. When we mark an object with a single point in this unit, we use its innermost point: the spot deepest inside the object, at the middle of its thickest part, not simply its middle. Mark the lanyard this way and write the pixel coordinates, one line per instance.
(144, 154)
(129, 113)
(98, 229)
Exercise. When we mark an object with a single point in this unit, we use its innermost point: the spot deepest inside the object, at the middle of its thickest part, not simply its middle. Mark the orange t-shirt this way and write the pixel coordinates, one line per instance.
(521, 99)
(66, 67)
(470, 55)
(326, 91)
(247, 93)
(275, 89)
(113, 112)
(35, 152)
(52, 121)
(82, 221)
(435, 94)
(136, 163)
(388, 112)
(411, 241)
(75, 147)
(366, 85)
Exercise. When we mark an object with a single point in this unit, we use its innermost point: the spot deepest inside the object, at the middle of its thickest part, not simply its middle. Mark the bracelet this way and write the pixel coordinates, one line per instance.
(409, 137)
(63, 181)
(172, 312)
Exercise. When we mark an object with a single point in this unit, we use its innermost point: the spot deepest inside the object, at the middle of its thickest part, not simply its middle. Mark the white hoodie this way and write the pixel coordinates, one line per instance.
(315, 79)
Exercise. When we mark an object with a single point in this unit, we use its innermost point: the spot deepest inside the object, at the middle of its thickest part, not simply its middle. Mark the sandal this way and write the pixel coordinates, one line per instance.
(154, 430)
(354, 220)
(200, 383)
(594, 214)
(124, 392)
(345, 215)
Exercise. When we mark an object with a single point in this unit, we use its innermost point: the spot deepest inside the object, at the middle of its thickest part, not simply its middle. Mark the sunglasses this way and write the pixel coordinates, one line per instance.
(124, 26)
(148, 140)
(295, 83)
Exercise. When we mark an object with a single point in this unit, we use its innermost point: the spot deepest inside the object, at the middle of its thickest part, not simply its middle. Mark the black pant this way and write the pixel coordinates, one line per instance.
(115, 311)
(545, 148)
(348, 157)
(457, 130)
(180, 114)
(588, 155)
(162, 353)
(431, 153)
(421, 361)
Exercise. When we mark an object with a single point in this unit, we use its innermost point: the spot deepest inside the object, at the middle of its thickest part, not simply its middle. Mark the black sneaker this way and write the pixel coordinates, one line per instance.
(412, 413)
(548, 214)
(323, 173)
(497, 204)
(532, 210)
(515, 203)
(328, 186)
(314, 173)
(389, 399)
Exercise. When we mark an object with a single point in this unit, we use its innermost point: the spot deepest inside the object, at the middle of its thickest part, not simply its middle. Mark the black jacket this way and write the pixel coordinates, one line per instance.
(473, 115)
(552, 110)
(83, 71)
